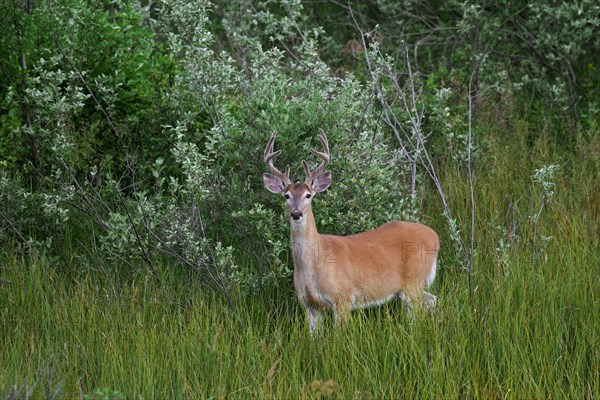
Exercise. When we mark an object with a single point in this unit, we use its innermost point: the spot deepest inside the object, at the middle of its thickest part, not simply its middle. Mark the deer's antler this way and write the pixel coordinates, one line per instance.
(269, 156)
(322, 155)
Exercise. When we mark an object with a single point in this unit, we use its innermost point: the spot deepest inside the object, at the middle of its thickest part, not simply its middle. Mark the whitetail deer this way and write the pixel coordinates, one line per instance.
(341, 273)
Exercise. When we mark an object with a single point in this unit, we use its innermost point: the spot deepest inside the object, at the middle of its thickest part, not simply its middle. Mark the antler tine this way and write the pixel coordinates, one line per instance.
(268, 153)
(325, 156)
(269, 156)
(324, 141)
(306, 169)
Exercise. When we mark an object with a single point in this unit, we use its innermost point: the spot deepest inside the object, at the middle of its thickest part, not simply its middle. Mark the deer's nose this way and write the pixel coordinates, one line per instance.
(296, 214)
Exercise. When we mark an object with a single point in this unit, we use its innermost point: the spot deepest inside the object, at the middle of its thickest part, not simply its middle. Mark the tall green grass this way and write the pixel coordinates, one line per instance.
(528, 331)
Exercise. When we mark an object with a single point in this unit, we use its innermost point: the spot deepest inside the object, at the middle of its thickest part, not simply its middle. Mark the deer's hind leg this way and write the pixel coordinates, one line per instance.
(418, 298)
(429, 300)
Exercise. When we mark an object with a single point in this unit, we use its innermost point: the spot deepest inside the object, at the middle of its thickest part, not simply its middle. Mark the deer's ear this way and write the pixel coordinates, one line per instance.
(273, 183)
(321, 182)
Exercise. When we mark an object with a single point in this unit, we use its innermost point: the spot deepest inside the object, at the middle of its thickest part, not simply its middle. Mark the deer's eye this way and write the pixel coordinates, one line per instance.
(287, 196)
(308, 195)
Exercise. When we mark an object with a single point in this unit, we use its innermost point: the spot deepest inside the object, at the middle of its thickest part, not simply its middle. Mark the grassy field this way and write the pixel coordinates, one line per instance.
(530, 330)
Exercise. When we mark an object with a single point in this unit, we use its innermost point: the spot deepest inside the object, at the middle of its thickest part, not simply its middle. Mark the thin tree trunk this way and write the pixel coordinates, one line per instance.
(26, 111)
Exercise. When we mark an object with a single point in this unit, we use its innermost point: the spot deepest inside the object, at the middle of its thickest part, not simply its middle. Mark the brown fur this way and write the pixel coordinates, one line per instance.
(345, 272)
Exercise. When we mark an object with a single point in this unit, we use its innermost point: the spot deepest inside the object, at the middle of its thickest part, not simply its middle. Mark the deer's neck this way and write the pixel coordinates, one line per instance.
(305, 240)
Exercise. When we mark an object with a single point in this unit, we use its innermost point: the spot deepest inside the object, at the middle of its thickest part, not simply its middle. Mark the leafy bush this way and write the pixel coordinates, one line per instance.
(144, 125)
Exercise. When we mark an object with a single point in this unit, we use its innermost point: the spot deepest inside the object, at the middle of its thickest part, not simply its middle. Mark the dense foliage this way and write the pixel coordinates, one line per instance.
(131, 139)
(144, 122)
